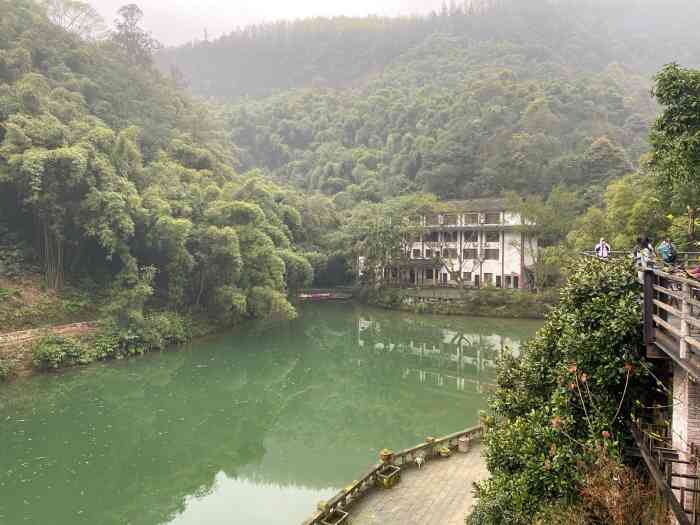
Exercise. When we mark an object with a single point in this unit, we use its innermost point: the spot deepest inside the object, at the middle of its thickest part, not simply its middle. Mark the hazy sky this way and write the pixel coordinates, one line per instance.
(179, 21)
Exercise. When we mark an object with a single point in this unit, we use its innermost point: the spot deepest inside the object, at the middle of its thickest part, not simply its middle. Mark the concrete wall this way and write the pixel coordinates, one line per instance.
(685, 425)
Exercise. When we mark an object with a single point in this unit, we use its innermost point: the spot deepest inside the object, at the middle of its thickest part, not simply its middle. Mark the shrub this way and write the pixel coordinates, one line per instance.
(53, 352)
(558, 403)
(6, 293)
(265, 302)
(163, 329)
(7, 368)
(155, 332)
(613, 494)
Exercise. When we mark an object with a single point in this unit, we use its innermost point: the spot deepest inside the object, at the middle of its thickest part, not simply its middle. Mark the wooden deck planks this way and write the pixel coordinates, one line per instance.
(438, 494)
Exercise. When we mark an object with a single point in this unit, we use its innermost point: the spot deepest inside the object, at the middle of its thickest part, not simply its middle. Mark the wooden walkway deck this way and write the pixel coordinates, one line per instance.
(440, 493)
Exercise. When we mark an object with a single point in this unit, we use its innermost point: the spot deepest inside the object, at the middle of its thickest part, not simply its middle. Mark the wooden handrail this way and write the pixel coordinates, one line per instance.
(669, 300)
(656, 474)
(343, 499)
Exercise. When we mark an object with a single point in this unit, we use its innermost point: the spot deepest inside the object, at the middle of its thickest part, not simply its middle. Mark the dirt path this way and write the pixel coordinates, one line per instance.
(17, 345)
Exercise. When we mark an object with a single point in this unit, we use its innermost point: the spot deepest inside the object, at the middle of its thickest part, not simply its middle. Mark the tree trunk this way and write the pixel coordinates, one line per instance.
(201, 287)
(52, 254)
(692, 214)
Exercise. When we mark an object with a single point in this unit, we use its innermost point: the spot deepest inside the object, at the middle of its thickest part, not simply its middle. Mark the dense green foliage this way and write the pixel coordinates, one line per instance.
(111, 341)
(568, 394)
(661, 199)
(7, 368)
(451, 123)
(475, 100)
(113, 174)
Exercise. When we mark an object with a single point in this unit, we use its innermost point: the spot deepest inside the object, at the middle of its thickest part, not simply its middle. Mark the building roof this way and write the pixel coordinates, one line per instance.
(472, 205)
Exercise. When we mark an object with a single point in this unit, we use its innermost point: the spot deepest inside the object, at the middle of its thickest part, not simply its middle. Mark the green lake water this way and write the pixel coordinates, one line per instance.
(249, 427)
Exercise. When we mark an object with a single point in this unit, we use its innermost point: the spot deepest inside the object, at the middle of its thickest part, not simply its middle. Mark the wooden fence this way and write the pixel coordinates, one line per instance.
(679, 487)
(335, 510)
(672, 317)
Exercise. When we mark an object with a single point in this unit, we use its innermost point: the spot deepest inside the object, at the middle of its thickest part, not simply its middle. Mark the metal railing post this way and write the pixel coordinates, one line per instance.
(685, 312)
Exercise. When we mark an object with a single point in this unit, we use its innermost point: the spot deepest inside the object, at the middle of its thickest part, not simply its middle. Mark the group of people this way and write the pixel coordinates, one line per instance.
(644, 252)
(646, 256)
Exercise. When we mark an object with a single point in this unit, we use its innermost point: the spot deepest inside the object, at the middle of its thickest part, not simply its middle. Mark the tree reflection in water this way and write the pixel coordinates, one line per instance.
(260, 423)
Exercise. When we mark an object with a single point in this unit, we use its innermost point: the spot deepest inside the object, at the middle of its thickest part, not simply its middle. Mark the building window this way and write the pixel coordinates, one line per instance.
(493, 218)
(509, 281)
(434, 237)
(492, 255)
(471, 218)
(471, 236)
(429, 274)
(493, 236)
(445, 278)
(428, 253)
(416, 253)
(467, 277)
(452, 236)
(488, 279)
(471, 254)
(450, 220)
(498, 281)
(445, 253)
(516, 282)
(452, 252)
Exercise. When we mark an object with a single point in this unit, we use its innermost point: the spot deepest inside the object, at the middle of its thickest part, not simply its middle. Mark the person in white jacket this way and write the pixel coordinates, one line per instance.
(602, 249)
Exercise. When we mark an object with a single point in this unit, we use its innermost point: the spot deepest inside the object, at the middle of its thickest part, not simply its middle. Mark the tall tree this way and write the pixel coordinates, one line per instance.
(75, 16)
(675, 139)
(137, 43)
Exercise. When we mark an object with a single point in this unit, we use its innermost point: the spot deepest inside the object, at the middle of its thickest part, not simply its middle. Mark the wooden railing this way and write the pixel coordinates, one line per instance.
(339, 504)
(682, 258)
(661, 460)
(672, 317)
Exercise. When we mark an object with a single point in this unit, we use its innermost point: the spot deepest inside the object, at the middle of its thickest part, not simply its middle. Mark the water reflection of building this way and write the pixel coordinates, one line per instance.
(441, 357)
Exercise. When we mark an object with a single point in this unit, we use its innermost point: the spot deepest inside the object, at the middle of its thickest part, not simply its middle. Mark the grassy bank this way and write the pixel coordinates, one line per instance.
(488, 302)
(25, 304)
(155, 332)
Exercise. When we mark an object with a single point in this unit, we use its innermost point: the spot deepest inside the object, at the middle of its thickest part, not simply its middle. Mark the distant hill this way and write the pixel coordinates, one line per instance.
(473, 101)
(584, 35)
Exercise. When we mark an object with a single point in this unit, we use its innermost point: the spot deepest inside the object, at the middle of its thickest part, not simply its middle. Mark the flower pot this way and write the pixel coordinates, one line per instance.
(388, 476)
(336, 518)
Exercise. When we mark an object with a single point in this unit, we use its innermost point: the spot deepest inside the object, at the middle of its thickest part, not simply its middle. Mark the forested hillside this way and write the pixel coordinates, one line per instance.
(112, 177)
(476, 100)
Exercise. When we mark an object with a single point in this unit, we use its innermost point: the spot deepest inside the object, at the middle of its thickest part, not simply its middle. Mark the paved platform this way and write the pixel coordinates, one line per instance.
(440, 493)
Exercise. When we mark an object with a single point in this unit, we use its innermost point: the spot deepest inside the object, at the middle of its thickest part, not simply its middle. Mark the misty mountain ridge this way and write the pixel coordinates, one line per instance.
(560, 37)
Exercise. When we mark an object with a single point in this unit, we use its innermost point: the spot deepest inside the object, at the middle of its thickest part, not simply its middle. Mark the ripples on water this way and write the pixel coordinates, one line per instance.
(250, 427)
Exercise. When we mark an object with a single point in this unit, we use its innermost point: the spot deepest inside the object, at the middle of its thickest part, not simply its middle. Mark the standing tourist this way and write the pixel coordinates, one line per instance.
(602, 249)
(668, 251)
(637, 251)
(648, 254)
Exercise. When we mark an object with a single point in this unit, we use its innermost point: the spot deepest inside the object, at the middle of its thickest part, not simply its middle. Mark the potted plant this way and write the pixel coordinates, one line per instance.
(335, 518)
(388, 476)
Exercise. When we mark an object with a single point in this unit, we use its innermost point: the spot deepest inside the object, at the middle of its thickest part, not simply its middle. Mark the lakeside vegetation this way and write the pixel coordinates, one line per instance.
(561, 409)
(485, 302)
(113, 179)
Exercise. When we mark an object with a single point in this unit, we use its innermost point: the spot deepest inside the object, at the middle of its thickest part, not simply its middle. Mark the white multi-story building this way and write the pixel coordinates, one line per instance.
(468, 243)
